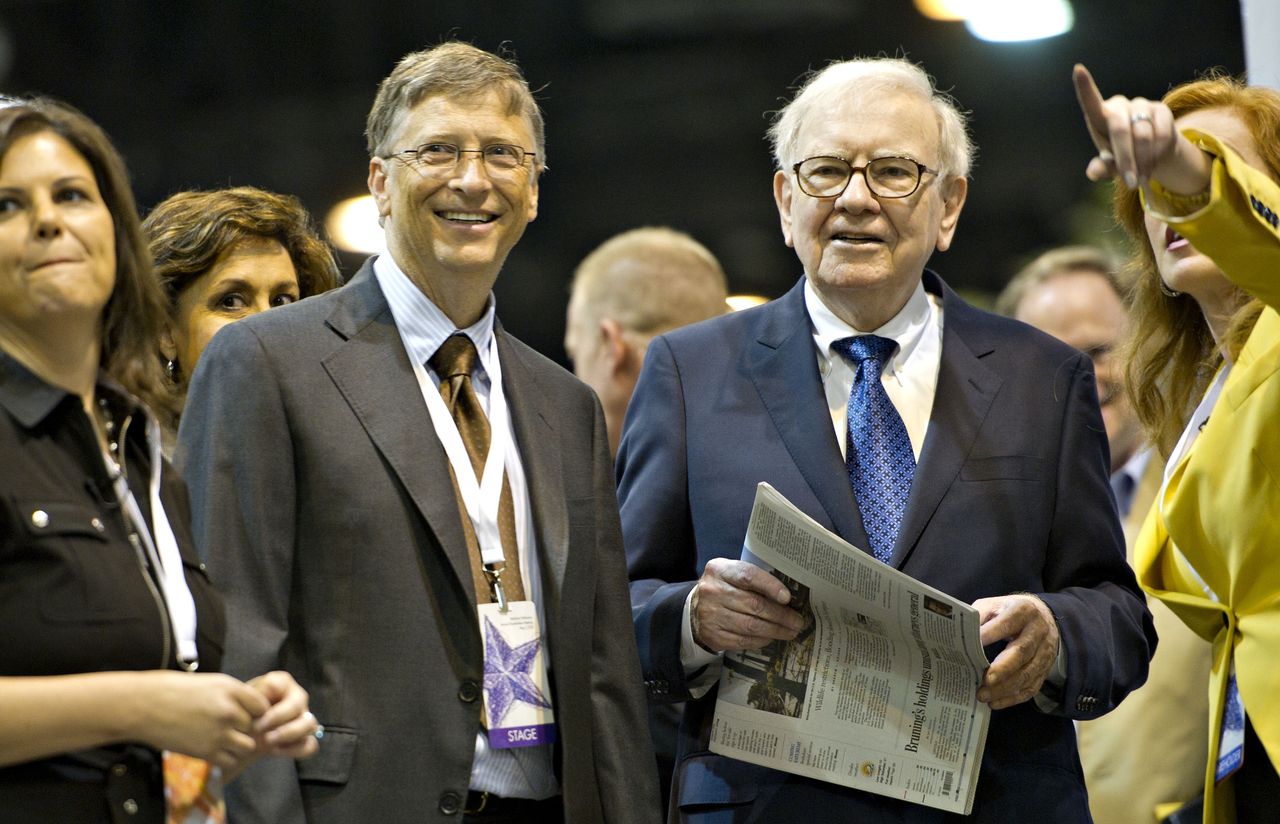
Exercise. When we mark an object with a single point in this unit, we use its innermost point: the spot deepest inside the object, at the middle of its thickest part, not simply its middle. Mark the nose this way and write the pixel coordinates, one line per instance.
(857, 196)
(470, 175)
(47, 219)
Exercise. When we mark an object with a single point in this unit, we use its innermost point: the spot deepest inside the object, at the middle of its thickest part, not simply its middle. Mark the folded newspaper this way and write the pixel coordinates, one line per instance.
(878, 692)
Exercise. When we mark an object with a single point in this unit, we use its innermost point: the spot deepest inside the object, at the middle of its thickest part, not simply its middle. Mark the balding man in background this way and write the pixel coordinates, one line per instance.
(1148, 754)
(632, 288)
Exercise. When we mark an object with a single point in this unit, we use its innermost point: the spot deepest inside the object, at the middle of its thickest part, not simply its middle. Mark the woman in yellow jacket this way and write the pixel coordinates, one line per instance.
(1201, 199)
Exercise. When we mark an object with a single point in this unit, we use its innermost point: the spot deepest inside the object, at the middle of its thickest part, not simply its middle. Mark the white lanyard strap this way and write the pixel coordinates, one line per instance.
(479, 498)
(161, 548)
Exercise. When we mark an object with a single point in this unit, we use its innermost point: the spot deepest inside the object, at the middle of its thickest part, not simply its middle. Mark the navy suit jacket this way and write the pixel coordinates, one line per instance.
(1010, 495)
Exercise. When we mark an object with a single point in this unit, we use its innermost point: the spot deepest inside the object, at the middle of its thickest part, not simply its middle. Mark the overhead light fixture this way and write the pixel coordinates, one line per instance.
(1010, 21)
(945, 9)
(739, 302)
(353, 226)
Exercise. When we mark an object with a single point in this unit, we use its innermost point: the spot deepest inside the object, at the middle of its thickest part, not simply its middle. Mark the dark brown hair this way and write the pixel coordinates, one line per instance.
(190, 231)
(1171, 352)
(133, 314)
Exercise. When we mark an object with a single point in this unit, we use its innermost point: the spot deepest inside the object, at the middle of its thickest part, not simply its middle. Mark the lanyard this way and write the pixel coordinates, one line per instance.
(161, 548)
(479, 498)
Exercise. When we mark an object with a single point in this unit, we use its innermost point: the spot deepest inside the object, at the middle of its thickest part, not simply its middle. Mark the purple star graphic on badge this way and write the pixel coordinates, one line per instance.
(506, 673)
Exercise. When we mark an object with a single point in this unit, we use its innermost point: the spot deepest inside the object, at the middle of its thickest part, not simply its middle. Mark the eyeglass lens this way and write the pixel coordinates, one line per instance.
(885, 176)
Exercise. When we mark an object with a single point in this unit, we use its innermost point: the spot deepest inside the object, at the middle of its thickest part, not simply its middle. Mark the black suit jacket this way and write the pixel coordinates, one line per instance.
(1010, 494)
(323, 498)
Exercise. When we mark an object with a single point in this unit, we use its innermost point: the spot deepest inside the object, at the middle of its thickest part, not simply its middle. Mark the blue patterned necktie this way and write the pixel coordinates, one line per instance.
(878, 452)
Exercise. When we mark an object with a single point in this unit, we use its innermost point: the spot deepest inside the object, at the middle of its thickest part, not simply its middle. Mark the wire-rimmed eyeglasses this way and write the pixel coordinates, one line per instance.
(440, 158)
(829, 176)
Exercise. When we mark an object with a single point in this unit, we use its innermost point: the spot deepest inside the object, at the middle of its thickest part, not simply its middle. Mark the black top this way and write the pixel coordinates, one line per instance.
(76, 595)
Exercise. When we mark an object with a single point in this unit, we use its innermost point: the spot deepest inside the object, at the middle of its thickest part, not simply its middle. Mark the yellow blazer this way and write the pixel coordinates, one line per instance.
(1149, 752)
(1221, 507)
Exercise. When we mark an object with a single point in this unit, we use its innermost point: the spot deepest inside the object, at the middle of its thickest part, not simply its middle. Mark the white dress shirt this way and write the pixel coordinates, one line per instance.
(524, 772)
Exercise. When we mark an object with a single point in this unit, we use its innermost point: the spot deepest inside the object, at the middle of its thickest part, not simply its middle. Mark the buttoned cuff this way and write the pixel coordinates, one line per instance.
(701, 667)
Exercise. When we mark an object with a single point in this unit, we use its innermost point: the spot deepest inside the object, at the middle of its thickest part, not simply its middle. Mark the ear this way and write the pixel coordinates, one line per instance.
(782, 197)
(378, 186)
(953, 196)
(168, 348)
(533, 195)
(614, 346)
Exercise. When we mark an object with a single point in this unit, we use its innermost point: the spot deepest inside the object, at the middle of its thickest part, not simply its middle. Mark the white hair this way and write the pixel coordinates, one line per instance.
(848, 81)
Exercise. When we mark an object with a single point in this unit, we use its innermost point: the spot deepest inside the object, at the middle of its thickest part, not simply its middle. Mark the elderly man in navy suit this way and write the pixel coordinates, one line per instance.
(965, 449)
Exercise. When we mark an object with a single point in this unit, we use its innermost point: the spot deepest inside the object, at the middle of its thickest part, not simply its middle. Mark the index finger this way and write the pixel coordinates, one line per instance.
(749, 577)
(1090, 100)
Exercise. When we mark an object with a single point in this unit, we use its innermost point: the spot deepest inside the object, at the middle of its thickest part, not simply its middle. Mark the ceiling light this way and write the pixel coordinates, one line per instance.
(944, 9)
(1009, 21)
(353, 226)
(739, 302)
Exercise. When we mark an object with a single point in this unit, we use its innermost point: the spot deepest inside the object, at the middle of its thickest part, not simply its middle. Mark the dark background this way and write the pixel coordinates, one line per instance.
(656, 109)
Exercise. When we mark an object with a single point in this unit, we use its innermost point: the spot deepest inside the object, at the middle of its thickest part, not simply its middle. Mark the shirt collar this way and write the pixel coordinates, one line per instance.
(30, 399)
(424, 326)
(907, 328)
(1136, 465)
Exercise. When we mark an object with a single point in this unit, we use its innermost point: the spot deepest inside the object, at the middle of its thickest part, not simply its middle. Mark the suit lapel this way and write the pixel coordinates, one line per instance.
(536, 438)
(373, 373)
(784, 367)
(966, 388)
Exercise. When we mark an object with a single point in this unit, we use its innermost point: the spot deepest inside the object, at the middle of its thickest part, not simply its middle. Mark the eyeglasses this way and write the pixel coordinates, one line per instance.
(887, 177)
(499, 159)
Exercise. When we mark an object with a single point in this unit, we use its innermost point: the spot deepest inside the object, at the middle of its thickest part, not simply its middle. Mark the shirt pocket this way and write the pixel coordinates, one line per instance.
(86, 577)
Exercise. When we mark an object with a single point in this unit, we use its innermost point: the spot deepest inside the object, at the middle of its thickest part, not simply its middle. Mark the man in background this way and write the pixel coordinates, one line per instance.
(635, 286)
(1149, 753)
(632, 288)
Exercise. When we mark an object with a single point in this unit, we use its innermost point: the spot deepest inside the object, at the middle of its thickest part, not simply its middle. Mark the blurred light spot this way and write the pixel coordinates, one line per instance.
(739, 302)
(944, 9)
(1009, 21)
(353, 226)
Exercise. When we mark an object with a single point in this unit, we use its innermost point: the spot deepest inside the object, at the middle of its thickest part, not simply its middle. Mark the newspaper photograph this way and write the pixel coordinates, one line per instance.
(878, 692)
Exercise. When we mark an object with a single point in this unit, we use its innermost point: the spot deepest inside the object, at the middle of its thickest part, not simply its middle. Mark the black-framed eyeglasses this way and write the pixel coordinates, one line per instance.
(440, 158)
(829, 176)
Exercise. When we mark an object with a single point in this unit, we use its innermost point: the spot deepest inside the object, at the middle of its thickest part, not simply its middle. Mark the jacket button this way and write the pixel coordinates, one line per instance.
(468, 692)
(450, 803)
(97, 524)
(119, 770)
(130, 806)
(40, 519)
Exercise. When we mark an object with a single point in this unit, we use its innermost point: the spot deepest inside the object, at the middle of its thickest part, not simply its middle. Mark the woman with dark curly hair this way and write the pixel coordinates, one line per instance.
(1201, 200)
(109, 686)
(224, 255)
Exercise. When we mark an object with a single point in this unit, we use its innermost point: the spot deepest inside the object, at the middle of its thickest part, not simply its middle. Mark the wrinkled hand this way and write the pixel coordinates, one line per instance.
(1020, 669)
(207, 715)
(1137, 140)
(288, 727)
(738, 606)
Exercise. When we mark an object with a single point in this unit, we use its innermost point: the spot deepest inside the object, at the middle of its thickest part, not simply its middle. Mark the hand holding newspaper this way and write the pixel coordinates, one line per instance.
(878, 692)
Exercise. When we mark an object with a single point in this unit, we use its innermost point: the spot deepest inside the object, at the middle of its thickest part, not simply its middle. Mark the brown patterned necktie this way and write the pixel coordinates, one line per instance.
(454, 362)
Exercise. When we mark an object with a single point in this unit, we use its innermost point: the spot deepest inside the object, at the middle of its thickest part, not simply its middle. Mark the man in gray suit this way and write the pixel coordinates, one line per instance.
(381, 471)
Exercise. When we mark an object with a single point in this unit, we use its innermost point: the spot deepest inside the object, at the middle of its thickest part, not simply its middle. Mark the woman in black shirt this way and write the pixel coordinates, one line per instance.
(107, 611)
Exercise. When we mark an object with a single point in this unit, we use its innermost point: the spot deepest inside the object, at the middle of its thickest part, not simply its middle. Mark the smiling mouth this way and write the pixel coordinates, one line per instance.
(467, 217)
(1173, 240)
(857, 239)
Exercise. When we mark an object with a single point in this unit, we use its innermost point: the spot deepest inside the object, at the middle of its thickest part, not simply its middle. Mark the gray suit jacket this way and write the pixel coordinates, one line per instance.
(323, 500)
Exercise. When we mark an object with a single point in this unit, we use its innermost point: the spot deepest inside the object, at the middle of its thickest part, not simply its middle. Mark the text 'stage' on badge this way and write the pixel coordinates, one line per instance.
(517, 698)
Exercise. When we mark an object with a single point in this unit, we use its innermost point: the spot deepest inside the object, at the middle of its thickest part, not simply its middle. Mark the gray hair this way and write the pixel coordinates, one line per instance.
(453, 70)
(849, 79)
